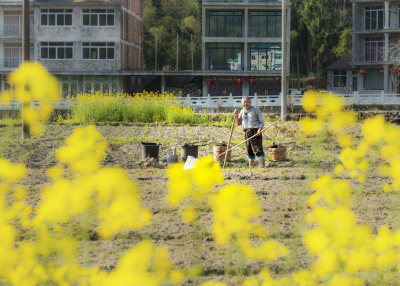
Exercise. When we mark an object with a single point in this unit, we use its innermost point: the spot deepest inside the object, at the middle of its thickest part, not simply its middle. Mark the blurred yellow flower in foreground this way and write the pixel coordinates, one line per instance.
(310, 101)
(11, 172)
(84, 150)
(31, 83)
(330, 116)
(192, 186)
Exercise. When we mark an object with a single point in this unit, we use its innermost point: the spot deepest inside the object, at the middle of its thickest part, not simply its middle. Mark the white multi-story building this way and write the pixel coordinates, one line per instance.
(374, 63)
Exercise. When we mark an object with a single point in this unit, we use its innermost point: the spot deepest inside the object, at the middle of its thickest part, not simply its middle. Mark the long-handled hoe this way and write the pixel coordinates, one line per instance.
(229, 143)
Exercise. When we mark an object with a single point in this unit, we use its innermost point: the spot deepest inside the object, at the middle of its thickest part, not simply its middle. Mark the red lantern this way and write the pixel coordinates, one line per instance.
(362, 71)
(238, 80)
(382, 71)
(395, 71)
(209, 80)
(252, 80)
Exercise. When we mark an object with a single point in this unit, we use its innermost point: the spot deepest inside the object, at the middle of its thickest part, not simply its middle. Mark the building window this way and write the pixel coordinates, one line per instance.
(339, 78)
(56, 17)
(374, 17)
(12, 56)
(225, 24)
(225, 56)
(12, 21)
(266, 24)
(373, 80)
(265, 57)
(98, 51)
(374, 49)
(98, 17)
(56, 50)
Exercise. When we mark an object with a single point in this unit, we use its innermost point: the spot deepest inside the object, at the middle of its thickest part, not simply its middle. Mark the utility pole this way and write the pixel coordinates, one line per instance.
(177, 52)
(284, 78)
(25, 51)
(155, 60)
(191, 41)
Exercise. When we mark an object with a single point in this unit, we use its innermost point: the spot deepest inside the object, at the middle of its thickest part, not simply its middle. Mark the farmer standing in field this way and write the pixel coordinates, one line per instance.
(253, 122)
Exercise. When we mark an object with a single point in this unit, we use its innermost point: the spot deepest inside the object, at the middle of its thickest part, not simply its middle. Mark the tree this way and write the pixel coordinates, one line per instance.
(322, 30)
(164, 19)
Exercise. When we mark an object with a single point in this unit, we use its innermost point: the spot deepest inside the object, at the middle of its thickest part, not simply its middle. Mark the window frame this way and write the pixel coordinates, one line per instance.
(339, 78)
(91, 46)
(95, 12)
(56, 12)
(9, 46)
(225, 50)
(57, 46)
(223, 26)
(10, 60)
(262, 53)
(372, 15)
(371, 44)
(15, 29)
(267, 17)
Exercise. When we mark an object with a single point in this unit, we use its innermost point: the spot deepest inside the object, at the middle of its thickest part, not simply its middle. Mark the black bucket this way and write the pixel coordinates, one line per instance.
(150, 150)
(189, 150)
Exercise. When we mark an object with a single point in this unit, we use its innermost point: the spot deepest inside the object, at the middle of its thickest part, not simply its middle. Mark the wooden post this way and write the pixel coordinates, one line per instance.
(284, 60)
(25, 51)
(155, 58)
(177, 52)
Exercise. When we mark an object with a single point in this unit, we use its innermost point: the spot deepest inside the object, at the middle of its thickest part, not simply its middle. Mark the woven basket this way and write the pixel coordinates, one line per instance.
(218, 150)
(277, 153)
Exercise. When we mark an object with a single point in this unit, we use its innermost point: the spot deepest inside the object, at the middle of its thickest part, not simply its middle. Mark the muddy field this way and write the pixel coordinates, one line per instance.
(282, 189)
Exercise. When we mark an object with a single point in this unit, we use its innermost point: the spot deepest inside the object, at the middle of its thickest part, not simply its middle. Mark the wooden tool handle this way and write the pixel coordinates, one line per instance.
(229, 142)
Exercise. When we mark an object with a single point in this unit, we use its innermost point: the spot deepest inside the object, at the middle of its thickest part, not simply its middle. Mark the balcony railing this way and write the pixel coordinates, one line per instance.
(10, 63)
(215, 103)
(14, 31)
(240, 1)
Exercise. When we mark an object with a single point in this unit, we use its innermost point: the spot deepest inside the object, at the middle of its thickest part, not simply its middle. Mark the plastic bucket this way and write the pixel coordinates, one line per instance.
(150, 150)
(189, 150)
(218, 150)
(172, 159)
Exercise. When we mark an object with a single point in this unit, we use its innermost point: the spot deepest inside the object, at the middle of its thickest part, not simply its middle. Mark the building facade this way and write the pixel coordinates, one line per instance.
(11, 38)
(242, 46)
(376, 50)
(89, 45)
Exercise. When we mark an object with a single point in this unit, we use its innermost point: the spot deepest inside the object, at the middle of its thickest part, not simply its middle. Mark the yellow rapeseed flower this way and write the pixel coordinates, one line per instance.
(234, 207)
(31, 82)
(310, 101)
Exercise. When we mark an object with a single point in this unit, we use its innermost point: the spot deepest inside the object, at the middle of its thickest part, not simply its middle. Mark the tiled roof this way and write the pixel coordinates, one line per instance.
(342, 64)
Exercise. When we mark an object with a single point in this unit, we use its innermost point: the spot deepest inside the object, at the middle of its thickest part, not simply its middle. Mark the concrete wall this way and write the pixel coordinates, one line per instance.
(1, 55)
(1, 21)
(77, 33)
